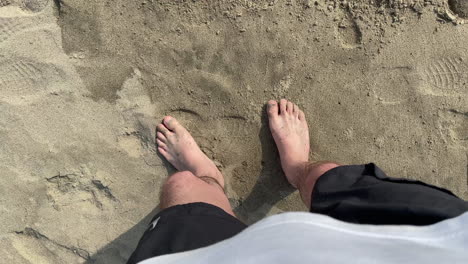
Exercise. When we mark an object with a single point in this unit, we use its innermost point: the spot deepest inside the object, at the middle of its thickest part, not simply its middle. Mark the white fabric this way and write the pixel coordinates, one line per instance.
(312, 238)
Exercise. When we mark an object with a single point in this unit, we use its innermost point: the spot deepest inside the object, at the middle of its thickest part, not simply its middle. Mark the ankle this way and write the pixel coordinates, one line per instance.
(295, 173)
(211, 172)
(312, 173)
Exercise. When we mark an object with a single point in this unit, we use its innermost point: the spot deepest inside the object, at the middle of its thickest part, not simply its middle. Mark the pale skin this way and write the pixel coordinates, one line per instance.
(199, 180)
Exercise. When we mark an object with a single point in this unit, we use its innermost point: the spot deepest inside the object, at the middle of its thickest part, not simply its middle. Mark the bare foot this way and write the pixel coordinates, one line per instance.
(291, 134)
(177, 145)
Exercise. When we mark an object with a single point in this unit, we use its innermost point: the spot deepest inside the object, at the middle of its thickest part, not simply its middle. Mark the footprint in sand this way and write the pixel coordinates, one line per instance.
(11, 26)
(348, 30)
(446, 76)
(68, 190)
(13, 23)
(23, 78)
(33, 6)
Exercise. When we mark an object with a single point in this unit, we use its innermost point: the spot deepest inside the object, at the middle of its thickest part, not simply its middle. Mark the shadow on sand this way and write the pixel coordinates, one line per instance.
(271, 185)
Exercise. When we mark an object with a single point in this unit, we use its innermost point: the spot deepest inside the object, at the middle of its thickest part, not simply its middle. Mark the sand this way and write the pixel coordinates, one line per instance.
(84, 82)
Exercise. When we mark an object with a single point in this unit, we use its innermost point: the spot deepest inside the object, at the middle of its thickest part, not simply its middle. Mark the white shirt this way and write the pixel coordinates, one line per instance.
(313, 238)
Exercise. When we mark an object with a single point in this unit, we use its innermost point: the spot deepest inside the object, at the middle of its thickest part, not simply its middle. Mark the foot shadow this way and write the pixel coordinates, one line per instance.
(271, 186)
(120, 249)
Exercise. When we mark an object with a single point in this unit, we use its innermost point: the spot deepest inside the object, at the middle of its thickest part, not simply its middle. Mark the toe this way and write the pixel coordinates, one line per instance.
(171, 123)
(272, 108)
(289, 107)
(283, 103)
(296, 110)
(163, 129)
(164, 152)
(161, 136)
(160, 143)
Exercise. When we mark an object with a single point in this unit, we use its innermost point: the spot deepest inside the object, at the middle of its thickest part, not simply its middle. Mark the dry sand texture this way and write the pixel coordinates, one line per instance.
(83, 83)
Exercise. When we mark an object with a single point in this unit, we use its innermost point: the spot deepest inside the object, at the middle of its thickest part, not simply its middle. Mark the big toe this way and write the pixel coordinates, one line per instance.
(172, 124)
(272, 108)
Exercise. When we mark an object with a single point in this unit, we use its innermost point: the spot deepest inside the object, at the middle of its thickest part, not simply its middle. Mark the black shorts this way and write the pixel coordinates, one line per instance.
(185, 227)
(358, 194)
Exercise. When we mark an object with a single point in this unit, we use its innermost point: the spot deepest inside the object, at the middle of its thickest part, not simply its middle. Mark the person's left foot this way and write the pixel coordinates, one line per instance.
(177, 145)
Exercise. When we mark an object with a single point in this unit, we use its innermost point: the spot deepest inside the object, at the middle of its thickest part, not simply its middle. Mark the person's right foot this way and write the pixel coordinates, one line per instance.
(289, 129)
(177, 145)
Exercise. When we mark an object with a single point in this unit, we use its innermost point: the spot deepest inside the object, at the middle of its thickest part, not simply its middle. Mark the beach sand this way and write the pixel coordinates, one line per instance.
(84, 82)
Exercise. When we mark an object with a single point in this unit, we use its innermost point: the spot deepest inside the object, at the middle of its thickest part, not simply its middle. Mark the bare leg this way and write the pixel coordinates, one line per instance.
(198, 179)
(291, 133)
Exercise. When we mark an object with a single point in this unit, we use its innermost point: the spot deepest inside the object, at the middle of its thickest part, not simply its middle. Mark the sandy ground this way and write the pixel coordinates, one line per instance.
(83, 83)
